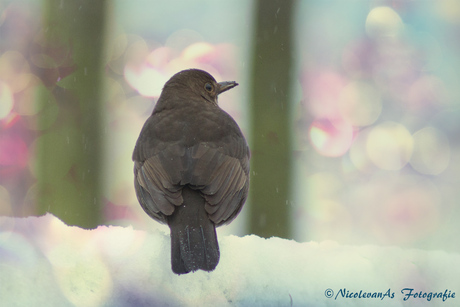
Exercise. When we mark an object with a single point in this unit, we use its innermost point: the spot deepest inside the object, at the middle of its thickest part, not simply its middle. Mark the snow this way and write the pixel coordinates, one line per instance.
(44, 262)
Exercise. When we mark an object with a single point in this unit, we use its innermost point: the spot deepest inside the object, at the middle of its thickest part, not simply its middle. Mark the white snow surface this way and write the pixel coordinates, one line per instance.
(44, 262)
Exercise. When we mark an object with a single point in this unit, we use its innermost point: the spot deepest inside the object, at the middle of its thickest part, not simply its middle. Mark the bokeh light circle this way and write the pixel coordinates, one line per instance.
(358, 153)
(383, 22)
(389, 146)
(6, 100)
(431, 154)
(331, 138)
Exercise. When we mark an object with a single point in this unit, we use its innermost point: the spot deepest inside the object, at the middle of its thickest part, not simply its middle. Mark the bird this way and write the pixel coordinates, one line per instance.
(191, 167)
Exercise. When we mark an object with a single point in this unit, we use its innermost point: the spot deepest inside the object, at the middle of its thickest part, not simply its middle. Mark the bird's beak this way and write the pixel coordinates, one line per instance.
(225, 86)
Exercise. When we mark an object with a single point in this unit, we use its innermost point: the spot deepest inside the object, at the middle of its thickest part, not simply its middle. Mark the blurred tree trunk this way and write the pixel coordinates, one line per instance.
(271, 144)
(69, 149)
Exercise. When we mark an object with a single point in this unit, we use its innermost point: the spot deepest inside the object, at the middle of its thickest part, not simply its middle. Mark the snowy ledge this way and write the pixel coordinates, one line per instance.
(43, 262)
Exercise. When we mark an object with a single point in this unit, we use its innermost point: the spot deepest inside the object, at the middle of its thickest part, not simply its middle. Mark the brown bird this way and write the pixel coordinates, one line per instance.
(191, 167)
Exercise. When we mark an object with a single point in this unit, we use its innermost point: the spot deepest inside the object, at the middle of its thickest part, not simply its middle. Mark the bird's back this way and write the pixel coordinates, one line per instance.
(191, 166)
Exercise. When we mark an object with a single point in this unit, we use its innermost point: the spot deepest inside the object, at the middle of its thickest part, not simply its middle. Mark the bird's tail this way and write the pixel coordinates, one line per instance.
(193, 236)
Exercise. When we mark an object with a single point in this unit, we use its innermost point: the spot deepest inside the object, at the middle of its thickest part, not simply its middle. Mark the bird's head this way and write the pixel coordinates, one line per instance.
(193, 84)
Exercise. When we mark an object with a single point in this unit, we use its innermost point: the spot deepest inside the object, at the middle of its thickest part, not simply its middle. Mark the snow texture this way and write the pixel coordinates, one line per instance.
(44, 262)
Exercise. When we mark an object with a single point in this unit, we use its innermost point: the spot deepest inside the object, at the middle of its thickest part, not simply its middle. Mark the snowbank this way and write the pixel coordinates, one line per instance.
(43, 262)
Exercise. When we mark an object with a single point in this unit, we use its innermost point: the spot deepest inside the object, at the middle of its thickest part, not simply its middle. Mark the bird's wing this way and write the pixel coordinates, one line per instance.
(222, 178)
(157, 182)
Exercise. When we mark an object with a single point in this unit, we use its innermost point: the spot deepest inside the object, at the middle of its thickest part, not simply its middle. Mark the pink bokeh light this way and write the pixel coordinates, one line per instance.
(13, 151)
(148, 76)
(331, 138)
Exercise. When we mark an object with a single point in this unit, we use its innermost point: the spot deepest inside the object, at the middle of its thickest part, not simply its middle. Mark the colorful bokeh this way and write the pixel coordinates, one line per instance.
(379, 103)
(377, 111)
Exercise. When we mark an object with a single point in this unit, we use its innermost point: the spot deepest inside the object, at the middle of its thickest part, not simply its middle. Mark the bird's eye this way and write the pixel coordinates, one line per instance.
(208, 87)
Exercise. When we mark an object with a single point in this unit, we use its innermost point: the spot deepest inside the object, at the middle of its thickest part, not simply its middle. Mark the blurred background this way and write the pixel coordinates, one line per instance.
(351, 110)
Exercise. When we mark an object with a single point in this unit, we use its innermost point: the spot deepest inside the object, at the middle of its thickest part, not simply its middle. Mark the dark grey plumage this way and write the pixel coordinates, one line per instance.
(191, 167)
